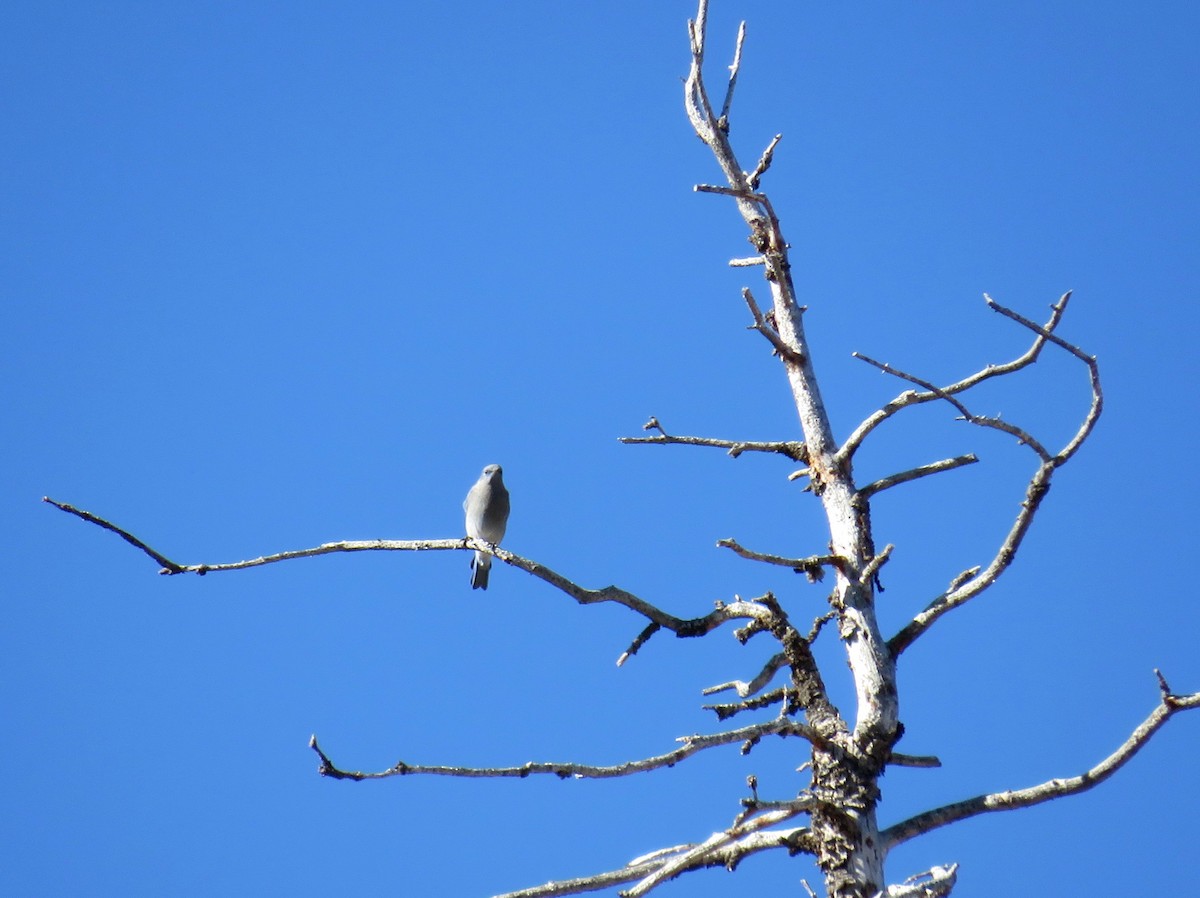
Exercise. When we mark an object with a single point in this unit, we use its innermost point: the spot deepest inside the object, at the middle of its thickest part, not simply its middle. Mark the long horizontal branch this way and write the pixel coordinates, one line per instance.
(684, 627)
(170, 567)
(779, 726)
(791, 448)
(1047, 791)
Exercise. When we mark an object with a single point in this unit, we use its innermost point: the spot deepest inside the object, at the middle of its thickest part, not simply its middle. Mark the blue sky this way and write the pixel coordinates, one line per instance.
(277, 274)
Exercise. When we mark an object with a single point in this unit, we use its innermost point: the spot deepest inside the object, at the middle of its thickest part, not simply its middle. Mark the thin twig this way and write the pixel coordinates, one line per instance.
(902, 760)
(723, 119)
(1097, 405)
(872, 569)
(936, 467)
(169, 566)
(774, 697)
(762, 325)
(794, 450)
(651, 628)
(764, 162)
(910, 398)
(812, 565)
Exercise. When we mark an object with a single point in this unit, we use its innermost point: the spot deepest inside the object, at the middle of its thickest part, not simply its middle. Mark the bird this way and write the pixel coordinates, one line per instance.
(487, 507)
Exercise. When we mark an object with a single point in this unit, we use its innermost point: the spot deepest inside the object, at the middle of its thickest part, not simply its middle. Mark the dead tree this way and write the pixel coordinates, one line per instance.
(836, 819)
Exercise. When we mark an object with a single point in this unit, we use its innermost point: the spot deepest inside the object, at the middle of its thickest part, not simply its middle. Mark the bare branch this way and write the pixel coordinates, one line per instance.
(764, 327)
(948, 464)
(774, 697)
(748, 735)
(1049, 790)
(818, 624)
(960, 591)
(812, 565)
(996, 423)
(910, 397)
(366, 545)
(935, 883)
(169, 566)
(791, 448)
(972, 583)
(737, 610)
(794, 840)
(764, 676)
(676, 865)
(902, 760)
(723, 120)
(1097, 406)
(637, 643)
(873, 566)
(764, 162)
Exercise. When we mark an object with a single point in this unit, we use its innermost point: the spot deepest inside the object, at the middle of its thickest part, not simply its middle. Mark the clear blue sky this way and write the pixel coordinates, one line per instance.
(276, 274)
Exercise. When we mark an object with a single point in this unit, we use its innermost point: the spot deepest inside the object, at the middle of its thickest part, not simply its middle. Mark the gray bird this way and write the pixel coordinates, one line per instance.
(487, 516)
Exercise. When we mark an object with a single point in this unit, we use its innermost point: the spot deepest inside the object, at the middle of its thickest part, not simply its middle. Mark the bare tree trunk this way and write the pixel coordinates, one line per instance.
(844, 778)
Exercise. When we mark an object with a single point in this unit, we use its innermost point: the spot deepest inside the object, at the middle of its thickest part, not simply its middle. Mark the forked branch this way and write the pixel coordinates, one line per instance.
(794, 840)
(964, 589)
(911, 398)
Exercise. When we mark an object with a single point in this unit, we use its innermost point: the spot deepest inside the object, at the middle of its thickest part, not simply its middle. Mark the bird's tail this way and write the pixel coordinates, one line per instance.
(481, 566)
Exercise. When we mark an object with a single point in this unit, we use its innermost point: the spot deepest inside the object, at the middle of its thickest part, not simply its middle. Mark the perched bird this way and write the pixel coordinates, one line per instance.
(487, 515)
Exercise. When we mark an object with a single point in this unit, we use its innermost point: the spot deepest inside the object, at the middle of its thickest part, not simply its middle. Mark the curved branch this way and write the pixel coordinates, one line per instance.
(168, 566)
(963, 590)
(745, 690)
(996, 423)
(1047, 791)
(1097, 405)
(714, 843)
(911, 397)
(795, 840)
